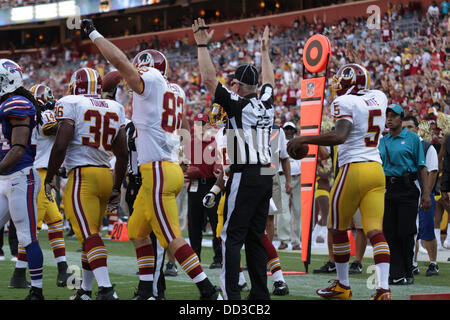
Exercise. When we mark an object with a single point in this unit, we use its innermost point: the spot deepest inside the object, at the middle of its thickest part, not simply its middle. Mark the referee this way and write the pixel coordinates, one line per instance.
(249, 188)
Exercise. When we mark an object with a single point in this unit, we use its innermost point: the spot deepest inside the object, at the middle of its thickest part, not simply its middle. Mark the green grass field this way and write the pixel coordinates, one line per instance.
(122, 267)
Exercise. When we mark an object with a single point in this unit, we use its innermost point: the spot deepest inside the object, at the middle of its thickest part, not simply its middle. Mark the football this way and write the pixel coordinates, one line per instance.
(111, 81)
(300, 152)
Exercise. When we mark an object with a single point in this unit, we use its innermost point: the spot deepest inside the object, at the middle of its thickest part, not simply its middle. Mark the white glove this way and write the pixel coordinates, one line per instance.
(209, 200)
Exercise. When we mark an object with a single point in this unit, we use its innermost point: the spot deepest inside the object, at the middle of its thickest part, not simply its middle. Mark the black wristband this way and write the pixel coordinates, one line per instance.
(202, 46)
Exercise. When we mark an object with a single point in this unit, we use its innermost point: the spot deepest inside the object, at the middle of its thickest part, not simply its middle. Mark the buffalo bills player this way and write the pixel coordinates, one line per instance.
(19, 181)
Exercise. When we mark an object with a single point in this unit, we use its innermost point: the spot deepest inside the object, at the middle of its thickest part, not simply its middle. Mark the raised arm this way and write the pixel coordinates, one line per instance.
(207, 69)
(266, 65)
(115, 56)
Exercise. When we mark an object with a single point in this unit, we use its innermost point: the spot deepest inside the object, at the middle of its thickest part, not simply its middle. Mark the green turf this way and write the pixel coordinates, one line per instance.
(122, 267)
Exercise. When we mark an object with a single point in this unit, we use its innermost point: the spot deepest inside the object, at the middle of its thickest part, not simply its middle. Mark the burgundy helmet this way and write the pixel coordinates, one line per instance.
(152, 58)
(85, 81)
(350, 79)
(42, 93)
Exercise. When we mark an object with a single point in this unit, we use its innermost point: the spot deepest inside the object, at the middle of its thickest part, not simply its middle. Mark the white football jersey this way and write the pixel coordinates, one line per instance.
(367, 112)
(97, 123)
(44, 143)
(157, 116)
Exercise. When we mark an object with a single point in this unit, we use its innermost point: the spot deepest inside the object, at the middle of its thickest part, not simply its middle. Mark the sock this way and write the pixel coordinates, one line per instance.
(437, 234)
(241, 277)
(22, 261)
(273, 261)
(87, 274)
(35, 263)
(189, 262)
(382, 258)
(56, 240)
(146, 262)
(433, 262)
(341, 252)
(96, 255)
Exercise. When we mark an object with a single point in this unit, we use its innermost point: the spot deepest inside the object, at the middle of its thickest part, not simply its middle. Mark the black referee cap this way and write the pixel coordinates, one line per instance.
(246, 73)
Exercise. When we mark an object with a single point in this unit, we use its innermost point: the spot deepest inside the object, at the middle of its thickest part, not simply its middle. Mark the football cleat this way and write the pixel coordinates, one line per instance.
(280, 288)
(171, 270)
(19, 279)
(144, 291)
(335, 291)
(106, 293)
(355, 268)
(35, 294)
(382, 294)
(243, 287)
(212, 294)
(329, 267)
(82, 295)
(433, 270)
(63, 275)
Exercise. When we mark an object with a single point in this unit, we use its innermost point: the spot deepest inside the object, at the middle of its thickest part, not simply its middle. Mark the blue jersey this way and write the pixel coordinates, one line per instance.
(17, 107)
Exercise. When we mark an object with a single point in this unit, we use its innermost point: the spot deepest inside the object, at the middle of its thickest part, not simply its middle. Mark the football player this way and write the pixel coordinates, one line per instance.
(19, 181)
(90, 128)
(157, 115)
(360, 115)
(48, 212)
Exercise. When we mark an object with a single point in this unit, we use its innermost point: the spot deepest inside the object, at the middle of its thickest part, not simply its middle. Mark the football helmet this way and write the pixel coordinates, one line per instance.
(42, 93)
(217, 115)
(350, 79)
(11, 76)
(85, 81)
(152, 58)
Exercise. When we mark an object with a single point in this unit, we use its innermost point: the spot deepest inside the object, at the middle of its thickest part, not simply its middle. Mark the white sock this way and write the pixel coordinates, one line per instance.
(342, 273)
(241, 278)
(447, 239)
(102, 277)
(437, 234)
(88, 278)
(60, 259)
(21, 264)
(278, 276)
(383, 275)
(146, 277)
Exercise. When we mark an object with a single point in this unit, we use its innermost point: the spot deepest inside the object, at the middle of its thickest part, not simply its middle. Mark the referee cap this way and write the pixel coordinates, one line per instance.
(246, 73)
(396, 108)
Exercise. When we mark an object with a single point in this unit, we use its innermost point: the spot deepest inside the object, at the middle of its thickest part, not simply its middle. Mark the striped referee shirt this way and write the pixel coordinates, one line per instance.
(250, 121)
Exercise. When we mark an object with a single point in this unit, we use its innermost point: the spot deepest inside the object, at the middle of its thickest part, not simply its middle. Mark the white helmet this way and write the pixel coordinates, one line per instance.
(11, 76)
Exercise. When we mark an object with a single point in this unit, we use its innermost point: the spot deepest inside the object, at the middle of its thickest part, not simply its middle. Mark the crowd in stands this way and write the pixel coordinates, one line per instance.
(406, 57)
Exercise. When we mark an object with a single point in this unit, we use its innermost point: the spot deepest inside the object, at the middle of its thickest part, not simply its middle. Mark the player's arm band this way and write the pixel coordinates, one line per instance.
(215, 189)
(202, 46)
(19, 145)
(95, 35)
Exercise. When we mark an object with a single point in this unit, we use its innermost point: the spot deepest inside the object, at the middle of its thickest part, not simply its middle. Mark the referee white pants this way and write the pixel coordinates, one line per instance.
(288, 221)
(18, 194)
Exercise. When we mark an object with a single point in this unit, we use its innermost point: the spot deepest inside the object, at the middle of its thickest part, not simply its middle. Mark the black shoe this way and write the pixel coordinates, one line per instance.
(397, 282)
(61, 278)
(415, 270)
(145, 291)
(433, 270)
(19, 279)
(212, 294)
(82, 295)
(243, 287)
(35, 294)
(329, 267)
(410, 280)
(215, 265)
(355, 268)
(171, 270)
(280, 288)
(106, 293)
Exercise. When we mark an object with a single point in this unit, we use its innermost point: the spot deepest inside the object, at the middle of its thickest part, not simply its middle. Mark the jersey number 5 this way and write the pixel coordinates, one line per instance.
(372, 128)
(101, 137)
(172, 114)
